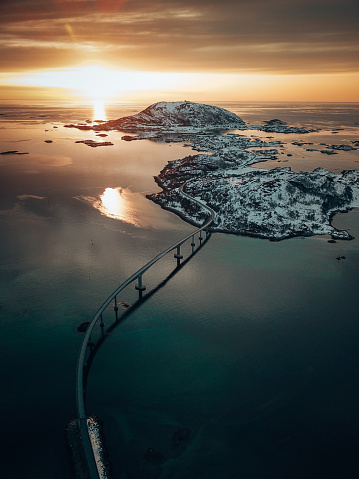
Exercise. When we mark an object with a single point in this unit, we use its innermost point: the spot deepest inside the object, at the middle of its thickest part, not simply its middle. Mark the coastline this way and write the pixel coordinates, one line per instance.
(188, 219)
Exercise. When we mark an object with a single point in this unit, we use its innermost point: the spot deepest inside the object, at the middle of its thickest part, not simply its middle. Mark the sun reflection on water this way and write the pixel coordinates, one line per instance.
(99, 112)
(113, 203)
(117, 203)
(131, 207)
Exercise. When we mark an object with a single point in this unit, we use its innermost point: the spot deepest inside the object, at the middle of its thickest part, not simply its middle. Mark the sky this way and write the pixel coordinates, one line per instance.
(242, 50)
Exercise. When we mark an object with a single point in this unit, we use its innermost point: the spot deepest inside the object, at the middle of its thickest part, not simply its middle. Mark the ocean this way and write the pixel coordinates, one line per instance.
(249, 351)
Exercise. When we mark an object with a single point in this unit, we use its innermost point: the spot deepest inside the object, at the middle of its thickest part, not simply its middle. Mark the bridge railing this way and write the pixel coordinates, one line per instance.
(87, 343)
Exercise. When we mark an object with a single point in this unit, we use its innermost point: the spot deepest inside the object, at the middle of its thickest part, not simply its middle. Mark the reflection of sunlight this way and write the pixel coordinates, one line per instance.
(99, 112)
(113, 203)
(117, 203)
(133, 208)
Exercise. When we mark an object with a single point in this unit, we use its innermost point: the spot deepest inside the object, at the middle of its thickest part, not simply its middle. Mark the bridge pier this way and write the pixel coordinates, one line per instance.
(102, 324)
(139, 286)
(193, 244)
(90, 343)
(116, 309)
(178, 255)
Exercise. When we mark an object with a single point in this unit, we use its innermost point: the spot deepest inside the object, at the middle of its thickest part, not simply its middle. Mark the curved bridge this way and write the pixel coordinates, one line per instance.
(86, 352)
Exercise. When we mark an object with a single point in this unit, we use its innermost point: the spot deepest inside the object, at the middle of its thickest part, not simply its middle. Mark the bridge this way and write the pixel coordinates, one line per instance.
(89, 347)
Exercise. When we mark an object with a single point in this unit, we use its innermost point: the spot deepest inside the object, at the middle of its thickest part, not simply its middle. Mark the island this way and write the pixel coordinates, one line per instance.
(274, 204)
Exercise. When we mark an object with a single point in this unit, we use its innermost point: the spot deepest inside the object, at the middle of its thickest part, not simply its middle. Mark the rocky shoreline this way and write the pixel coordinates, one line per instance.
(272, 204)
(75, 446)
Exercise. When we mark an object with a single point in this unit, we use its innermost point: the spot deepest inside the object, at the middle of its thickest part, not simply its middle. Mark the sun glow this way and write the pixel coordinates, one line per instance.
(97, 82)
(100, 83)
(93, 82)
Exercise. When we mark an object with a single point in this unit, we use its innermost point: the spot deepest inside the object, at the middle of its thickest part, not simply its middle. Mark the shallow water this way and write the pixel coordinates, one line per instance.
(299, 157)
(334, 124)
(252, 346)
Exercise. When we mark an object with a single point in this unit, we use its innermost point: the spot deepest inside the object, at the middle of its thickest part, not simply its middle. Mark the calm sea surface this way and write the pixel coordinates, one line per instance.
(251, 347)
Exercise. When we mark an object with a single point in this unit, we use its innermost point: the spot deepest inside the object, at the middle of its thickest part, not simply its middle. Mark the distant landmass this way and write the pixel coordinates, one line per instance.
(274, 204)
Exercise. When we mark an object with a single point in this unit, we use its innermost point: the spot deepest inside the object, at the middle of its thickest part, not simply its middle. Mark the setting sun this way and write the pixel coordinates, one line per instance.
(96, 82)
(91, 82)
(99, 83)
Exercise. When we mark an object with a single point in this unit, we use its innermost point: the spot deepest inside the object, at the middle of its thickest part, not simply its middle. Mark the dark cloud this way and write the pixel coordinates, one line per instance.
(231, 35)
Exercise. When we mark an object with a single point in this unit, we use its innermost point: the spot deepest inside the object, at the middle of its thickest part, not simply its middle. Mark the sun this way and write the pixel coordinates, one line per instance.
(93, 82)
(97, 83)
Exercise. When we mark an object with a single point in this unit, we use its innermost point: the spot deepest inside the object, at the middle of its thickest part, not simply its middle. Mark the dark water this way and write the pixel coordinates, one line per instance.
(251, 348)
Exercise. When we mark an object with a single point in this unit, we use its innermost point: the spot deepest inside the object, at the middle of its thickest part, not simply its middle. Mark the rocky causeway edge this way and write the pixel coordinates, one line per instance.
(273, 204)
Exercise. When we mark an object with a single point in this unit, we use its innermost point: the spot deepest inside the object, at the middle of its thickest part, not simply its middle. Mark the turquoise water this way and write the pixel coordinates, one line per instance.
(251, 347)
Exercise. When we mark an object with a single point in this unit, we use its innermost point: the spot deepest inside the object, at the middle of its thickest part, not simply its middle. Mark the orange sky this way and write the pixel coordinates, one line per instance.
(295, 50)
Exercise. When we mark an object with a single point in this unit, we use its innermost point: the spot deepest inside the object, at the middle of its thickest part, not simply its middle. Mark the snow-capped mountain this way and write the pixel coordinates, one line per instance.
(164, 115)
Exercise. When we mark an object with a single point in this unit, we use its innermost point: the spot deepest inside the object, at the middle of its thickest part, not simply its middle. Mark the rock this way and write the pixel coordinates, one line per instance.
(13, 152)
(83, 326)
(179, 437)
(124, 304)
(274, 122)
(342, 147)
(328, 152)
(278, 126)
(94, 143)
(153, 456)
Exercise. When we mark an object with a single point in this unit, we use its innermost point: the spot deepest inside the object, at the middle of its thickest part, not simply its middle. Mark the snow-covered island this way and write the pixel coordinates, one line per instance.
(273, 204)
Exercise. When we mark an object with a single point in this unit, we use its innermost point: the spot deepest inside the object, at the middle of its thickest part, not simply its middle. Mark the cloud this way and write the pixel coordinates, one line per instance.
(182, 35)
